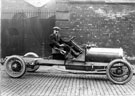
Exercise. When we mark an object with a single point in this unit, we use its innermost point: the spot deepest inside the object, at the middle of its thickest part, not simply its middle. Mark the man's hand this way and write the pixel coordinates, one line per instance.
(62, 45)
(63, 52)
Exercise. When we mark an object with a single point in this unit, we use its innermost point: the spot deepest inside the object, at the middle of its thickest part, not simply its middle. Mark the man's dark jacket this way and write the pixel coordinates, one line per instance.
(56, 40)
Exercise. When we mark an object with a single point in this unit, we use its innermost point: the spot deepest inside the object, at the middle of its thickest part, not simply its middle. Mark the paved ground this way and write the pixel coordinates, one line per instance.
(49, 81)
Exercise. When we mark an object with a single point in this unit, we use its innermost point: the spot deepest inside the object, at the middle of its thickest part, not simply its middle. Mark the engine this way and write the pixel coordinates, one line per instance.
(94, 54)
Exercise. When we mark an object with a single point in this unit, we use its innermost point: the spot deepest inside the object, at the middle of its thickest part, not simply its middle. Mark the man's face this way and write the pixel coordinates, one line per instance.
(56, 31)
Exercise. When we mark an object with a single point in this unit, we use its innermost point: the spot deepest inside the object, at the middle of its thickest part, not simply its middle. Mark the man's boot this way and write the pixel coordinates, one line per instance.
(75, 54)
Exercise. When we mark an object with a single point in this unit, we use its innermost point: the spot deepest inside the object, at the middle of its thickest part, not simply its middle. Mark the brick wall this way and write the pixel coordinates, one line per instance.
(106, 24)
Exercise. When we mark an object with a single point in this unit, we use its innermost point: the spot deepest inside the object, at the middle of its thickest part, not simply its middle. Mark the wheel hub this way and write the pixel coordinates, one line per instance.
(119, 71)
(16, 66)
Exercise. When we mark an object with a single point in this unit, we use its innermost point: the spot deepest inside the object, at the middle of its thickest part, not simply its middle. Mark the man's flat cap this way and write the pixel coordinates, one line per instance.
(56, 28)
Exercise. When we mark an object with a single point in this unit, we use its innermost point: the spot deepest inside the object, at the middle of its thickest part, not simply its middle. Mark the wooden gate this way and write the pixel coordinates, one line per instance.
(24, 32)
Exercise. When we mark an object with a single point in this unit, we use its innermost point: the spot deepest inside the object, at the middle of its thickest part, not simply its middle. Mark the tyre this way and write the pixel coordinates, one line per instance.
(33, 55)
(15, 66)
(119, 71)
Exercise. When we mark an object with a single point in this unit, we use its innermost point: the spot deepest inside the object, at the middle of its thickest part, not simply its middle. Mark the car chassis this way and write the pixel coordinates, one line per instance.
(93, 59)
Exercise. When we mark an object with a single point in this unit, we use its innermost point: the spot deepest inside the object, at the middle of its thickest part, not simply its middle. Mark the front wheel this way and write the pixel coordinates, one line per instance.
(119, 71)
(33, 55)
(15, 66)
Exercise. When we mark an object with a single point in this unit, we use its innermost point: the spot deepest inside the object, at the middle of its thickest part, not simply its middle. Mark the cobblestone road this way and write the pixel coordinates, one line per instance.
(52, 82)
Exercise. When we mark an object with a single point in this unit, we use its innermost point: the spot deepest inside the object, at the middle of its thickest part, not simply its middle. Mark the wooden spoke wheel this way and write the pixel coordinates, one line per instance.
(15, 66)
(33, 55)
(119, 71)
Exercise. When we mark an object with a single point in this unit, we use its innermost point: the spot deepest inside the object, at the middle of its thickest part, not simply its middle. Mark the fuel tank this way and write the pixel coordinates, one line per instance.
(103, 54)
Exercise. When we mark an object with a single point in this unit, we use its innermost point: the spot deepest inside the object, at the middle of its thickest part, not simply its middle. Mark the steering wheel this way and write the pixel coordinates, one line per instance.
(72, 38)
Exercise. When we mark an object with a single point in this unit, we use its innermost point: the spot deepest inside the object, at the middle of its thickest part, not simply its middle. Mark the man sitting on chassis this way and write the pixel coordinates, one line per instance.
(65, 47)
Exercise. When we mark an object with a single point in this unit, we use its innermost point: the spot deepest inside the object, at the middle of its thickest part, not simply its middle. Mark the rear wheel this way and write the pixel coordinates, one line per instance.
(119, 71)
(35, 67)
(15, 66)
